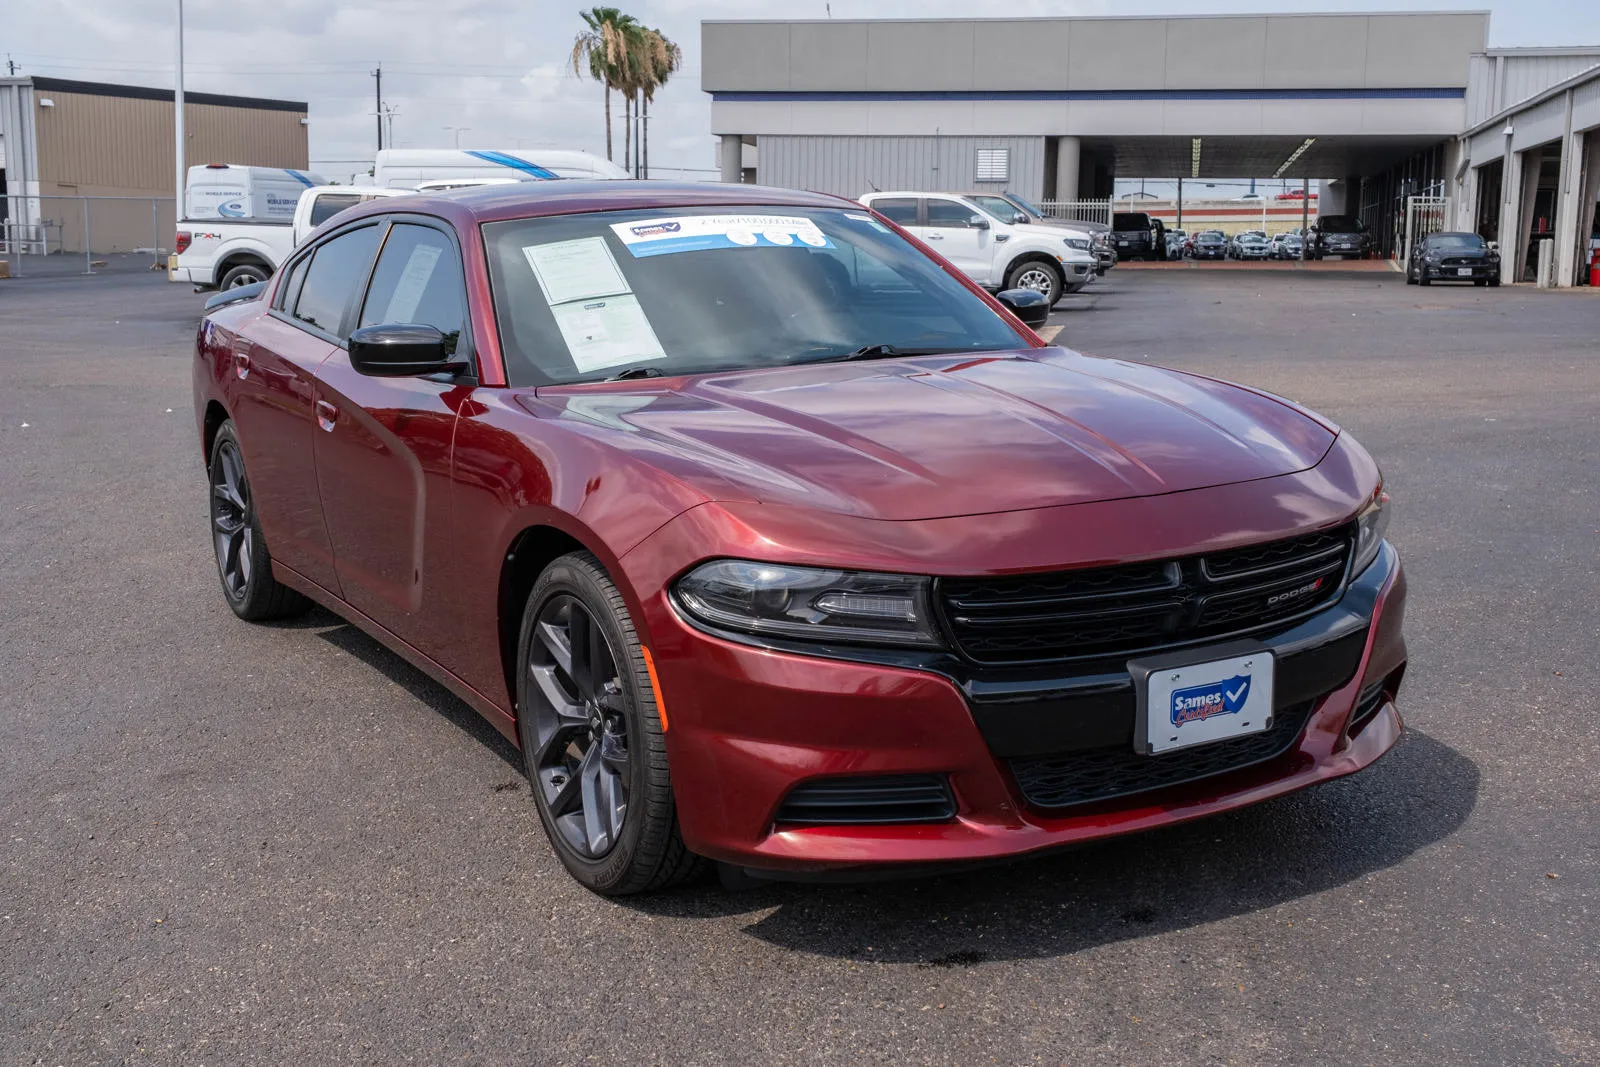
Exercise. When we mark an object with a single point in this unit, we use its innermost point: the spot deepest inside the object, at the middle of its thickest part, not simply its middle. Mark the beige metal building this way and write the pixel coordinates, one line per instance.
(61, 140)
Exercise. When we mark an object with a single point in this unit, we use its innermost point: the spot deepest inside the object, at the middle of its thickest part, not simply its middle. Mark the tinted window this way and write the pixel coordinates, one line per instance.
(691, 290)
(900, 209)
(1130, 220)
(1000, 208)
(1457, 241)
(1339, 224)
(949, 214)
(328, 205)
(290, 289)
(337, 274)
(418, 279)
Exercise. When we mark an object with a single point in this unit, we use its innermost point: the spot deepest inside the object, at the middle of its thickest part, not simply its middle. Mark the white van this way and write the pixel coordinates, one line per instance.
(232, 191)
(406, 168)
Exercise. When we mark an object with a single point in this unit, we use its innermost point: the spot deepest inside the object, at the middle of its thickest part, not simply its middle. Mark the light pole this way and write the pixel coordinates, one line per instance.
(177, 125)
(458, 131)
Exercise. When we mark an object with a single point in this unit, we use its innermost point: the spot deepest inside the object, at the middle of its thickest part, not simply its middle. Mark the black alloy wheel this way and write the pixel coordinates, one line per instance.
(243, 563)
(592, 735)
(581, 765)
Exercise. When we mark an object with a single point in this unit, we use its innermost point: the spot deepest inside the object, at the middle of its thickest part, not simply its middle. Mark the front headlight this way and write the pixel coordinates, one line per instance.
(1079, 243)
(1371, 525)
(810, 603)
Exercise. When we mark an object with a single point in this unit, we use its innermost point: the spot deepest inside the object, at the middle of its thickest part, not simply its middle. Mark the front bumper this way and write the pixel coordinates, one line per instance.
(1452, 273)
(749, 724)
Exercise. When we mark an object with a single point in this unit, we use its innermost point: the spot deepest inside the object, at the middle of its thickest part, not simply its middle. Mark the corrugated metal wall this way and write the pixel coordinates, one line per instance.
(1498, 81)
(851, 166)
(92, 145)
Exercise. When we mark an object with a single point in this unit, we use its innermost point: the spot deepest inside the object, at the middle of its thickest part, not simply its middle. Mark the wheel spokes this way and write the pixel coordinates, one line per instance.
(580, 727)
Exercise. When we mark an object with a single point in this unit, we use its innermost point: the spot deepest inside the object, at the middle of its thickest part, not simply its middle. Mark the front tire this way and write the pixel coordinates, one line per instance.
(1038, 275)
(243, 562)
(591, 735)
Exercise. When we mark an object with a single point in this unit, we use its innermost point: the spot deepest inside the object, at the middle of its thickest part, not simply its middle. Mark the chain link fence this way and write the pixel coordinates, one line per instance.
(45, 232)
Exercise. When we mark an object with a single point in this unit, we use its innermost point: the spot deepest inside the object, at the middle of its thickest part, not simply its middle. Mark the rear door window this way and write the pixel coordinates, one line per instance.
(949, 214)
(337, 275)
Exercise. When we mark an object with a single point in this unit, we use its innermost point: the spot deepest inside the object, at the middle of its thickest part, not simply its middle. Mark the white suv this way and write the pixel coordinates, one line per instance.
(997, 255)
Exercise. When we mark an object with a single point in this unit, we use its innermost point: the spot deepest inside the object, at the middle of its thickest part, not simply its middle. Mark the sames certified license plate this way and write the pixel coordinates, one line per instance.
(1186, 701)
(1465, 272)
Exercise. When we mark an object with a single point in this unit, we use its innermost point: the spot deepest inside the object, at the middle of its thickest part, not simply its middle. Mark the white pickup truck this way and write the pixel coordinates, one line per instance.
(226, 253)
(995, 253)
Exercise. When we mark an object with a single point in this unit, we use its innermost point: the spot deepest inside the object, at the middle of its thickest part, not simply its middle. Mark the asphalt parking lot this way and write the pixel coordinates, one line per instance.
(231, 844)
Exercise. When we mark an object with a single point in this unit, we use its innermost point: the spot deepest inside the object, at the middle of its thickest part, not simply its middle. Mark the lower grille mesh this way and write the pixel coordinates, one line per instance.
(1107, 773)
(898, 798)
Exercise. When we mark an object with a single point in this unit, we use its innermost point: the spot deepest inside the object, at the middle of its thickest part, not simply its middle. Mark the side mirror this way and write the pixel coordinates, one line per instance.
(1029, 305)
(978, 222)
(401, 350)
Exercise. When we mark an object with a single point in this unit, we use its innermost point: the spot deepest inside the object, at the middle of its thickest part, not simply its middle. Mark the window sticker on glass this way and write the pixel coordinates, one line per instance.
(576, 270)
(607, 333)
(413, 283)
(696, 233)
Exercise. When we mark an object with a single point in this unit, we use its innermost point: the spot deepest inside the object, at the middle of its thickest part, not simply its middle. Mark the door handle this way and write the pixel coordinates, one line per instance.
(241, 363)
(327, 414)
(935, 236)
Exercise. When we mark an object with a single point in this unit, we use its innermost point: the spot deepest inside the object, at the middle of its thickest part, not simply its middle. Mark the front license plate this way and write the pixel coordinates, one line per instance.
(1184, 701)
(1465, 272)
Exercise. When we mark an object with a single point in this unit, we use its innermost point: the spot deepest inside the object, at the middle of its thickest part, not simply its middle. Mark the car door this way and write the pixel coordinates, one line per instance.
(383, 446)
(271, 392)
(950, 229)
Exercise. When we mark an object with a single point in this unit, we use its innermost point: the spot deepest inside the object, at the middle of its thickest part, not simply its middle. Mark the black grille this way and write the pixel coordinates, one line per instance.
(1108, 773)
(896, 798)
(1367, 705)
(1114, 611)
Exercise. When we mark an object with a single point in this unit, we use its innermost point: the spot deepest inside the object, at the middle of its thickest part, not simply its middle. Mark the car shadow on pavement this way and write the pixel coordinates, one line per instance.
(353, 640)
(1245, 861)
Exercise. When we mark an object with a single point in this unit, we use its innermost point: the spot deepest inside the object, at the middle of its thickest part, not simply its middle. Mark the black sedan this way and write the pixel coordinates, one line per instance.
(1453, 257)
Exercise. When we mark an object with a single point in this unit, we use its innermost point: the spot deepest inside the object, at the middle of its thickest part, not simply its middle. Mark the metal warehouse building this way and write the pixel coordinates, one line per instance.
(1056, 109)
(62, 140)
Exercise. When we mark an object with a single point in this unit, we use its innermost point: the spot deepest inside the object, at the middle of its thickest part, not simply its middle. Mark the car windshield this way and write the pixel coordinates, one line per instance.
(1339, 224)
(1457, 242)
(1209, 239)
(1129, 220)
(1000, 208)
(1025, 205)
(690, 290)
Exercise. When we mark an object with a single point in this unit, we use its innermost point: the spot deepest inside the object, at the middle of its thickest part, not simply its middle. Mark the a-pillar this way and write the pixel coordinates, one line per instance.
(1068, 153)
(732, 157)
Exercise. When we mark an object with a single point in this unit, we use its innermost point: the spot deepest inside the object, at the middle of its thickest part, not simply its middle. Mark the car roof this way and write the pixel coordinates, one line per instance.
(573, 196)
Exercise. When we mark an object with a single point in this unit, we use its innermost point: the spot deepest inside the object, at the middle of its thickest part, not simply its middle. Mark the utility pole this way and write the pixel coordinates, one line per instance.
(177, 128)
(1180, 202)
(377, 77)
(1305, 215)
(11, 64)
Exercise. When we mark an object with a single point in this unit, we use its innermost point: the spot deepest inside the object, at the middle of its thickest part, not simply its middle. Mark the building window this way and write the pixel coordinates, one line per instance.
(994, 165)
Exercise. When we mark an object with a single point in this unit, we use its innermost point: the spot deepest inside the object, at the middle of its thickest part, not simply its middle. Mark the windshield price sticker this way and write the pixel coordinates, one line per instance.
(698, 233)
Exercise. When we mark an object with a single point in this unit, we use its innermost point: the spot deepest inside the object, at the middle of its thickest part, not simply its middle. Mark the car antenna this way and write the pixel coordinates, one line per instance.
(874, 186)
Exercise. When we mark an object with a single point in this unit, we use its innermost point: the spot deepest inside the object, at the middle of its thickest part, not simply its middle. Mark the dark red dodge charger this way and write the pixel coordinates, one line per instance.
(773, 541)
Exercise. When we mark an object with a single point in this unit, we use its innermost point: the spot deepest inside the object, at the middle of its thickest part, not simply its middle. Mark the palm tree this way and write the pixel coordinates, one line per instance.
(605, 49)
(661, 58)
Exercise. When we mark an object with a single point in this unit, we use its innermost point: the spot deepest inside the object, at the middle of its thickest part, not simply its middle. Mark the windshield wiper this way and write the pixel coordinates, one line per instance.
(881, 351)
(634, 373)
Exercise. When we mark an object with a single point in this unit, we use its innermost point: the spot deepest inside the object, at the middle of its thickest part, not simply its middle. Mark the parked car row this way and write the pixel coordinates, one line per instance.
(1250, 244)
(999, 241)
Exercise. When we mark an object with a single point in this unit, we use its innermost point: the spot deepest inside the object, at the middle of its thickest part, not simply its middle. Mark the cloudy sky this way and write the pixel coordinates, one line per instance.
(498, 67)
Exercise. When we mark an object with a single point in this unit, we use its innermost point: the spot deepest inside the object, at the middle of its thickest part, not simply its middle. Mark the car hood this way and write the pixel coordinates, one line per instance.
(944, 436)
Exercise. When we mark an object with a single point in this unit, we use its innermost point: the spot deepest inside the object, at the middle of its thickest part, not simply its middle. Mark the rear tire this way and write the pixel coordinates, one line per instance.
(244, 274)
(243, 562)
(592, 739)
